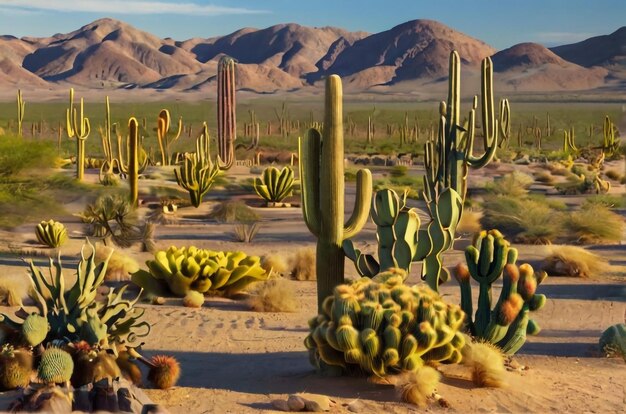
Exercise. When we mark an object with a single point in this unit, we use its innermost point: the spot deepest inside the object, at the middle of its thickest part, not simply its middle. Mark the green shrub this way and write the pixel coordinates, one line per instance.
(515, 184)
(594, 223)
(231, 212)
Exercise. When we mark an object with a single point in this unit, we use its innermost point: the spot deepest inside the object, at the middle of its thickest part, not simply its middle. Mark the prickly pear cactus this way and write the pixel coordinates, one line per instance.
(381, 326)
(56, 366)
(613, 341)
(506, 323)
(206, 271)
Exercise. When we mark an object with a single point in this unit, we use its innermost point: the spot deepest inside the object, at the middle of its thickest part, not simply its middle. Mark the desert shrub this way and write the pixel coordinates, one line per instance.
(18, 155)
(573, 261)
(398, 171)
(594, 224)
(414, 185)
(245, 232)
(613, 175)
(515, 184)
(544, 177)
(470, 222)
(274, 295)
(120, 265)
(12, 290)
(524, 219)
(609, 201)
(486, 363)
(274, 263)
(231, 212)
(553, 203)
(303, 264)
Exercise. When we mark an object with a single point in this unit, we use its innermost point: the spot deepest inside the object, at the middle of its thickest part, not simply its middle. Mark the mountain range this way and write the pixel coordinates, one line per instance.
(112, 54)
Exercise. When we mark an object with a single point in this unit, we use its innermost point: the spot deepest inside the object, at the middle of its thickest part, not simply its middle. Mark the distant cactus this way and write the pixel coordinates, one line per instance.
(322, 181)
(165, 141)
(609, 131)
(21, 106)
(56, 366)
(569, 141)
(274, 185)
(164, 371)
(78, 127)
(507, 323)
(226, 112)
(198, 172)
(381, 326)
(51, 233)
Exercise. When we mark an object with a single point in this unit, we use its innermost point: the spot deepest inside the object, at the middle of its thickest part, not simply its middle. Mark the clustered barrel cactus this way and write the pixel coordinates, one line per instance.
(506, 323)
(381, 326)
(51, 233)
(274, 185)
(206, 271)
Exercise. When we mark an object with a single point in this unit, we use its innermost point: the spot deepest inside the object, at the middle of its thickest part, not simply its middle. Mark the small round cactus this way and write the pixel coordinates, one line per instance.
(16, 366)
(164, 372)
(35, 329)
(613, 341)
(193, 299)
(56, 366)
(51, 233)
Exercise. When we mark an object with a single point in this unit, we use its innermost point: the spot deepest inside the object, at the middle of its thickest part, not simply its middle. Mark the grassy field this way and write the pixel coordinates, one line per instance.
(586, 119)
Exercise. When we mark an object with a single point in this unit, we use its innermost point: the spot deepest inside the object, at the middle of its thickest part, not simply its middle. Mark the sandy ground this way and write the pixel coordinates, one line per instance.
(237, 361)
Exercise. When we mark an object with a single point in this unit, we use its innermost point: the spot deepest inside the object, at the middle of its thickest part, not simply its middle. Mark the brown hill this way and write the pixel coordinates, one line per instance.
(108, 50)
(419, 48)
(608, 51)
(290, 47)
(533, 67)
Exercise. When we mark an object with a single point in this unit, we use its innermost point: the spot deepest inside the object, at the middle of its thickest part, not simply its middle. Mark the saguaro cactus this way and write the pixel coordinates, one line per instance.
(448, 160)
(21, 105)
(79, 128)
(505, 123)
(133, 160)
(609, 144)
(569, 141)
(322, 178)
(163, 128)
(226, 108)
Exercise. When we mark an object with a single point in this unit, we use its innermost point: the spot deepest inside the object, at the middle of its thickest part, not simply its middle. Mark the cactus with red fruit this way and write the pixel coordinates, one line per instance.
(506, 323)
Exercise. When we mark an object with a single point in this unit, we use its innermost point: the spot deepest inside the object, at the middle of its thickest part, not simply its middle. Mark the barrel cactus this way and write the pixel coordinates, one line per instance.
(206, 271)
(507, 323)
(274, 185)
(613, 341)
(56, 366)
(381, 326)
(16, 366)
(35, 329)
(51, 233)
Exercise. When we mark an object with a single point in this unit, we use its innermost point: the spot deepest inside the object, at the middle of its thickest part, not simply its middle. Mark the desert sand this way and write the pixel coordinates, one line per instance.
(237, 361)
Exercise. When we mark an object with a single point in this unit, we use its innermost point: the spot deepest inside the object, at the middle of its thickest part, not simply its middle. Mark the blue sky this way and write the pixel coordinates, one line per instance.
(501, 23)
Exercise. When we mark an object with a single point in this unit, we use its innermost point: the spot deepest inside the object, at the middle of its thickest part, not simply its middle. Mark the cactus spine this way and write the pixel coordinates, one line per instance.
(322, 178)
(226, 116)
(79, 128)
(163, 129)
(21, 106)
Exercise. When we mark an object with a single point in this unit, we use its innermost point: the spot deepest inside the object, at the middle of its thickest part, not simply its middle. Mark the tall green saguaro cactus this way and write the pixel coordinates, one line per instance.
(609, 144)
(226, 116)
(505, 123)
(21, 106)
(448, 160)
(78, 127)
(133, 161)
(569, 141)
(322, 178)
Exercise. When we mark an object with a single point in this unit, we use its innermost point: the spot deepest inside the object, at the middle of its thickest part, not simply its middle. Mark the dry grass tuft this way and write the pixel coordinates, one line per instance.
(120, 266)
(274, 295)
(417, 387)
(13, 289)
(470, 222)
(486, 362)
(275, 264)
(515, 184)
(594, 224)
(303, 264)
(544, 177)
(573, 261)
(613, 175)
